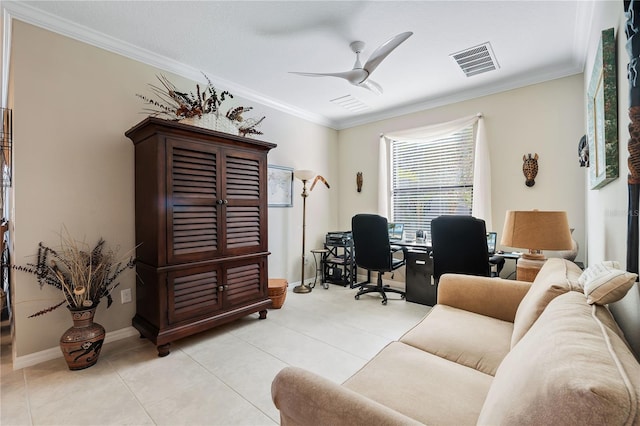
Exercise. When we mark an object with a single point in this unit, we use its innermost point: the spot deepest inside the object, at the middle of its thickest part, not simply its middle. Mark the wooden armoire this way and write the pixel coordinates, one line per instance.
(201, 229)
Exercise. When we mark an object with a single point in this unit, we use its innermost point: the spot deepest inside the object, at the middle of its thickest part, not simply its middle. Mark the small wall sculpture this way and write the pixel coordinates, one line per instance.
(583, 152)
(530, 168)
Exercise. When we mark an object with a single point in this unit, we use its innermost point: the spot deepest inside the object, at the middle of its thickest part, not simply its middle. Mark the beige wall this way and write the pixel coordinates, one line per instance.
(74, 167)
(607, 207)
(545, 118)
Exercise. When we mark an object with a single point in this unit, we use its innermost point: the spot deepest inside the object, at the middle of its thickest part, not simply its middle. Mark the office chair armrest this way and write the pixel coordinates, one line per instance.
(493, 297)
(305, 398)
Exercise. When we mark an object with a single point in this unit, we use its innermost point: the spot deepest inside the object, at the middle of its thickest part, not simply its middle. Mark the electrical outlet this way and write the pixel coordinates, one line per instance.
(125, 295)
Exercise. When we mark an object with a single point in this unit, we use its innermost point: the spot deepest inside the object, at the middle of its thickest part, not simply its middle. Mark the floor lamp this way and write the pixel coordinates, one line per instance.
(304, 176)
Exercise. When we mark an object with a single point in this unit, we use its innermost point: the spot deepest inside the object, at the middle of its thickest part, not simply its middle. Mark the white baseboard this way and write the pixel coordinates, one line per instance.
(53, 353)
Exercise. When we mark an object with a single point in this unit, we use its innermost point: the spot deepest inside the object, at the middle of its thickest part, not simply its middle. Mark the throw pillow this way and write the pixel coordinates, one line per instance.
(606, 283)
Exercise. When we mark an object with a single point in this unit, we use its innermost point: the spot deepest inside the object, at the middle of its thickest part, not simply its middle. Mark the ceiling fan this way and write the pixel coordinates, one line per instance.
(359, 75)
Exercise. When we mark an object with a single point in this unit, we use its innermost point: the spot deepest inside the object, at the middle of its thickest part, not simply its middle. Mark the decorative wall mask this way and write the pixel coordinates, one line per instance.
(583, 152)
(359, 181)
(530, 168)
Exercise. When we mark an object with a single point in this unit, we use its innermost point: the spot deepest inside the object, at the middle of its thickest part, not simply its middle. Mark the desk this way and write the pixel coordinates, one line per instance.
(513, 255)
(404, 245)
(412, 244)
(419, 284)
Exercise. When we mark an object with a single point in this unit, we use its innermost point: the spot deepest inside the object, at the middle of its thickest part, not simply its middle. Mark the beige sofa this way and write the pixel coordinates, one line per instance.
(492, 352)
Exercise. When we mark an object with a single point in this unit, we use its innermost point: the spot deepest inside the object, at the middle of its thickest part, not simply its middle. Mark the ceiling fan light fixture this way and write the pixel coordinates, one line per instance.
(476, 60)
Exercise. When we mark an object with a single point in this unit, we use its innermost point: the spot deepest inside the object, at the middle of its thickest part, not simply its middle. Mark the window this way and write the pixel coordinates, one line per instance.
(429, 179)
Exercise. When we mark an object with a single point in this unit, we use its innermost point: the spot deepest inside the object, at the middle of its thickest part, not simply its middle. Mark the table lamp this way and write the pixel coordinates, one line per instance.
(304, 176)
(535, 230)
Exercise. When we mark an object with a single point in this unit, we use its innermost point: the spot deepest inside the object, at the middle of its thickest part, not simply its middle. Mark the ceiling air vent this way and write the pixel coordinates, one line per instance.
(350, 103)
(476, 60)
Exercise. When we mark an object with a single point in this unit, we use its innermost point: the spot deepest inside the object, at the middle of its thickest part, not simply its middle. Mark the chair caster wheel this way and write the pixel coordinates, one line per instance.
(384, 302)
(403, 296)
(357, 297)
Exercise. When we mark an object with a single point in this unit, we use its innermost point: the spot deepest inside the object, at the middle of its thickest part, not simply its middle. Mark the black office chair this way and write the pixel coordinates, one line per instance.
(373, 252)
(459, 246)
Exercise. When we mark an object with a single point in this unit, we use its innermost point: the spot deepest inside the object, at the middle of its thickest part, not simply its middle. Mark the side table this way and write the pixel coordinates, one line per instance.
(319, 267)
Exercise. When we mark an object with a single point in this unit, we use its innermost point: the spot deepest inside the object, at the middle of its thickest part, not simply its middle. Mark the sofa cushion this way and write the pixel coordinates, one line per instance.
(304, 398)
(470, 339)
(606, 283)
(556, 277)
(571, 368)
(422, 386)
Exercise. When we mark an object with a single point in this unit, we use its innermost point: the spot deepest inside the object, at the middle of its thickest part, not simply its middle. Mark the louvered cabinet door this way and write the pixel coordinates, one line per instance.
(244, 187)
(193, 293)
(193, 207)
(244, 281)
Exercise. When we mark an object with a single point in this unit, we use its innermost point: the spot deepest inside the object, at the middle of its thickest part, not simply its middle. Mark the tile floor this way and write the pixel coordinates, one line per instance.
(219, 377)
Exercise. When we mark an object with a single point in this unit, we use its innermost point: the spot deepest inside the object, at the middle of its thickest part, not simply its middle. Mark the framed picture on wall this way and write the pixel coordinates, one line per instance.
(602, 114)
(280, 186)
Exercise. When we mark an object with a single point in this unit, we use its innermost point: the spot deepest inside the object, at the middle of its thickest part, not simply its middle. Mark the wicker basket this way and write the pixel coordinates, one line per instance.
(277, 291)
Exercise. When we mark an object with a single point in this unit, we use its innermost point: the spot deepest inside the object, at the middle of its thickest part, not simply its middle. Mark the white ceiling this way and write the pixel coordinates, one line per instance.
(248, 47)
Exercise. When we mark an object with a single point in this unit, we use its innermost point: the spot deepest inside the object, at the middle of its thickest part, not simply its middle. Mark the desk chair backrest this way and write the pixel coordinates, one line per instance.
(459, 246)
(371, 242)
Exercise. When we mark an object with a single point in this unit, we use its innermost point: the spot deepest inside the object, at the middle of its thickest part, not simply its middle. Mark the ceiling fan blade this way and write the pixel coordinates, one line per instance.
(372, 85)
(319, 74)
(353, 76)
(383, 51)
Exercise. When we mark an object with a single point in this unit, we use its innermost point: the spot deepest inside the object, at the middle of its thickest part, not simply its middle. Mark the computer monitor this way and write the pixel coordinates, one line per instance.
(395, 231)
(492, 238)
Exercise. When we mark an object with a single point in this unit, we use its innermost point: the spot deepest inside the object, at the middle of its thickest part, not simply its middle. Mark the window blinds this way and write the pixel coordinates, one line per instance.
(433, 178)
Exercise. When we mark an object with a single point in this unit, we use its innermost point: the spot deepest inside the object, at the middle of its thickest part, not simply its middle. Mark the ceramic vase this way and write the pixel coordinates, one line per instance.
(81, 344)
(573, 252)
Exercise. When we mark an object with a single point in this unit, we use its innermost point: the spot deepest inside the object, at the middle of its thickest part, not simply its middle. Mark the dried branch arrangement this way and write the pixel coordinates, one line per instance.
(83, 275)
(177, 105)
(245, 127)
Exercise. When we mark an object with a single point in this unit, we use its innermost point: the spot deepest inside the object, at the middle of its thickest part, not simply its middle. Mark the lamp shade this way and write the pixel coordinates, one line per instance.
(537, 230)
(304, 174)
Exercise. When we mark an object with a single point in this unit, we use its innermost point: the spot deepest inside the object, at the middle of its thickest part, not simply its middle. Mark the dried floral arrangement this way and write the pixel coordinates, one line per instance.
(245, 127)
(83, 275)
(177, 105)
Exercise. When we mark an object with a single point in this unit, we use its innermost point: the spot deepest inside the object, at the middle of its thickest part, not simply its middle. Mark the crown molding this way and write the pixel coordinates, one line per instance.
(467, 95)
(6, 56)
(56, 24)
(584, 14)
